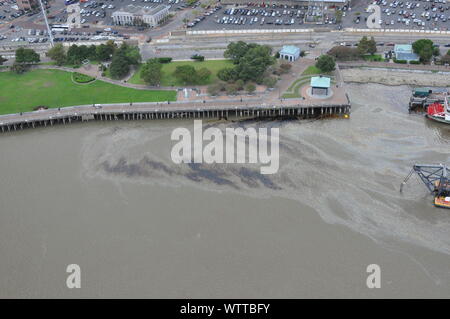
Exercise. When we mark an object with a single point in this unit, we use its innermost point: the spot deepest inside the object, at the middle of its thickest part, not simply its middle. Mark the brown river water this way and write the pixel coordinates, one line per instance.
(107, 196)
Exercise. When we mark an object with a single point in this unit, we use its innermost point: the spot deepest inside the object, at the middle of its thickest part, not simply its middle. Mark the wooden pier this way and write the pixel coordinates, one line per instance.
(169, 110)
(420, 103)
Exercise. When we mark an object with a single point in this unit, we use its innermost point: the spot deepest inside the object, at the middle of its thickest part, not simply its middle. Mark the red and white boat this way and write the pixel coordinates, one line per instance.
(439, 112)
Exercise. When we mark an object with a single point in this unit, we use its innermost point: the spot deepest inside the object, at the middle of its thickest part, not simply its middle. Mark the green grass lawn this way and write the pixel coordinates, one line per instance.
(169, 80)
(373, 58)
(54, 88)
(312, 69)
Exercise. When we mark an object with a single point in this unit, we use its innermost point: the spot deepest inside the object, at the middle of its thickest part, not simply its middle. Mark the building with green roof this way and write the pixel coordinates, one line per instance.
(320, 85)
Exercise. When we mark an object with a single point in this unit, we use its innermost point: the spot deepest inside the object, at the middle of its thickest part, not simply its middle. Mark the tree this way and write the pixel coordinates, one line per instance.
(239, 84)
(445, 59)
(425, 54)
(231, 89)
(130, 52)
(250, 88)
(213, 89)
(122, 58)
(203, 75)
(251, 61)
(151, 72)
(326, 63)
(343, 53)
(424, 48)
(285, 67)
(253, 64)
(119, 66)
(363, 45)
(270, 81)
(26, 56)
(236, 50)
(185, 74)
(227, 74)
(57, 54)
(75, 55)
(104, 52)
(371, 46)
(19, 68)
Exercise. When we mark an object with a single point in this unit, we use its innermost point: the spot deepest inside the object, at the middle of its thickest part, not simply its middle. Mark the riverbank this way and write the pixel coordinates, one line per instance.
(396, 77)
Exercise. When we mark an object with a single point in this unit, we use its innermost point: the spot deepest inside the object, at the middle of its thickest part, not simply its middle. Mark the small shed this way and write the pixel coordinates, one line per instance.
(422, 92)
(320, 85)
(290, 53)
(405, 52)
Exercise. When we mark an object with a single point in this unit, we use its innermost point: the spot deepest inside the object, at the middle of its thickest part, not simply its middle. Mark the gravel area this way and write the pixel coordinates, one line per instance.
(391, 77)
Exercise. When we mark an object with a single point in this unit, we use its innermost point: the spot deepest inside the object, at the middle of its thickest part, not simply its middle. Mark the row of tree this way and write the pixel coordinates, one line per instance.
(122, 57)
(75, 55)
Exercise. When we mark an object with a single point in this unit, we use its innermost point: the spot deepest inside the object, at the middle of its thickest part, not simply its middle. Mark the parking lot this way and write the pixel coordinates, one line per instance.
(98, 12)
(413, 14)
(88, 21)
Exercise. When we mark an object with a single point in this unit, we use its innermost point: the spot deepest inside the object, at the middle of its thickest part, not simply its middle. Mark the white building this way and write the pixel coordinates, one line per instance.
(290, 53)
(134, 15)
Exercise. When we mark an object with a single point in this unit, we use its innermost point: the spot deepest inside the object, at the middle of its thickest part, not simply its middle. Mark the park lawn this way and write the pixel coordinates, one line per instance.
(312, 69)
(373, 58)
(54, 88)
(168, 68)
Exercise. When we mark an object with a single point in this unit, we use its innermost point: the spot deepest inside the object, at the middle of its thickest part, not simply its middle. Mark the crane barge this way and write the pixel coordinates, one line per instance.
(435, 178)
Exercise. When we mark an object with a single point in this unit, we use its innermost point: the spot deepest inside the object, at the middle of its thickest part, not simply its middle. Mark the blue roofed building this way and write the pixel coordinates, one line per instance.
(320, 85)
(290, 53)
(405, 52)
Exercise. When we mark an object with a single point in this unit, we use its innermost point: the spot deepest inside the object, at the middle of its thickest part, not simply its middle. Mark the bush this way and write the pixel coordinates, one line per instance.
(19, 68)
(227, 74)
(202, 75)
(231, 88)
(164, 60)
(414, 62)
(250, 88)
(270, 81)
(214, 89)
(400, 61)
(197, 57)
(239, 84)
(82, 78)
(343, 53)
(285, 67)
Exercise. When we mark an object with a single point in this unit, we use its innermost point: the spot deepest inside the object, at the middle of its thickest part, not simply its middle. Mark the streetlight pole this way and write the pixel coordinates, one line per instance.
(46, 23)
